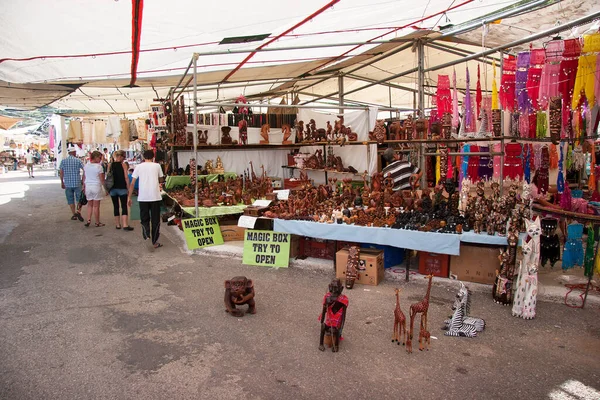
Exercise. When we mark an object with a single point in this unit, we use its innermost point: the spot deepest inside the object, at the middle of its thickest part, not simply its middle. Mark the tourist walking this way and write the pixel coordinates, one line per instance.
(29, 162)
(120, 189)
(70, 180)
(149, 175)
(93, 184)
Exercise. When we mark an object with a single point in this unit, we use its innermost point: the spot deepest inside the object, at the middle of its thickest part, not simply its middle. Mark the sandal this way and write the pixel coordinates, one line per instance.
(74, 217)
(79, 217)
(117, 227)
(99, 224)
(87, 223)
(127, 228)
(157, 245)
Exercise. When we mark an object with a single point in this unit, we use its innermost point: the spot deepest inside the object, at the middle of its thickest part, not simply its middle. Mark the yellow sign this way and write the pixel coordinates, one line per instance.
(202, 232)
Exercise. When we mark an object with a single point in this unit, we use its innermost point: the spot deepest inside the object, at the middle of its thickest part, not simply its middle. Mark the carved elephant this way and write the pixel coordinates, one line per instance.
(239, 291)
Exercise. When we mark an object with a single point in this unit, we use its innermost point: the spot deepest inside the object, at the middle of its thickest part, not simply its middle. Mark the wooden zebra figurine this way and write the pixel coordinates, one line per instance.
(463, 300)
(457, 327)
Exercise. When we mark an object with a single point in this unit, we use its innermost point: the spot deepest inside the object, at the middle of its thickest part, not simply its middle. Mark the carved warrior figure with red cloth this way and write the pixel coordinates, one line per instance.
(333, 315)
(243, 127)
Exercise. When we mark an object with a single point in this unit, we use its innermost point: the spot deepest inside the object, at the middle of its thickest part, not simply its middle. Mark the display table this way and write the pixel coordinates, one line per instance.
(215, 211)
(182, 180)
(442, 243)
(483, 238)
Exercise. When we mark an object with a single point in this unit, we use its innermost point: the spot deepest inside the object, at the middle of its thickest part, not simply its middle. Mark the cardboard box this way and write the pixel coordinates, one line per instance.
(232, 233)
(370, 269)
(476, 263)
(433, 263)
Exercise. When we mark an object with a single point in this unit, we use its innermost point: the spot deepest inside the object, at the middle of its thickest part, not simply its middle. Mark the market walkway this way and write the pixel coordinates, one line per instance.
(94, 314)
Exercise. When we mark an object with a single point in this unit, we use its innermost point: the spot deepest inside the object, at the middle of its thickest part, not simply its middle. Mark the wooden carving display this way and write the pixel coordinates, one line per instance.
(287, 132)
(202, 137)
(352, 266)
(299, 131)
(264, 133)
(378, 134)
(422, 308)
(238, 292)
(225, 136)
(396, 131)
(399, 333)
(243, 127)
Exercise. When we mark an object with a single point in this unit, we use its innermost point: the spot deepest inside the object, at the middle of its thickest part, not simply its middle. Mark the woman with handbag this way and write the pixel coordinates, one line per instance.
(93, 182)
(119, 187)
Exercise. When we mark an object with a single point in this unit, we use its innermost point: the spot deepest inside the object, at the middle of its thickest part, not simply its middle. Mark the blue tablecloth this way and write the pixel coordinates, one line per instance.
(442, 243)
(482, 238)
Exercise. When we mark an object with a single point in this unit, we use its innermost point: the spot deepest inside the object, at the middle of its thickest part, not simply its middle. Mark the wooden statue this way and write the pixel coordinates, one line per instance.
(352, 266)
(239, 291)
(287, 132)
(422, 308)
(299, 131)
(333, 315)
(399, 322)
(426, 337)
(243, 127)
(202, 137)
(225, 136)
(218, 169)
(329, 131)
(378, 134)
(264, 133)
(395, 131)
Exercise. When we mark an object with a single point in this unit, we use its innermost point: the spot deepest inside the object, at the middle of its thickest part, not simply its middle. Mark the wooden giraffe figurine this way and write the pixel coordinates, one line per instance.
(419, 308)
(426, 337)
(399, 322)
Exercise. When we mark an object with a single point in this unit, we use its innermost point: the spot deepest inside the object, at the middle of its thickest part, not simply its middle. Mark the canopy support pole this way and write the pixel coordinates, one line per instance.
(195, 135)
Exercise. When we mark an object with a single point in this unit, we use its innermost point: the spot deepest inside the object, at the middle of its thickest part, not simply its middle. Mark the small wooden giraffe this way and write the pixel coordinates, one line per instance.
(399, 322)
(352, 266)
(419, 308)
(426, 337)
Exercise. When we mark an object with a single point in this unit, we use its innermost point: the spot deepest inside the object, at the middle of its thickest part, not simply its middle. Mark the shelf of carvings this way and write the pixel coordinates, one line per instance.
(333, 171)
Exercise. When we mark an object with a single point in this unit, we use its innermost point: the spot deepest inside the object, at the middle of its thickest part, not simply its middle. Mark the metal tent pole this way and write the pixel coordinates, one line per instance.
(195, 135)
(421, 101)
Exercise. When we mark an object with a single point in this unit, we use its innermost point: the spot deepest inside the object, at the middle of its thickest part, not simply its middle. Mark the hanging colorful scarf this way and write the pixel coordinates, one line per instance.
(464, 166)
(468, 107)
(478, 92)
(560, 182)
(551, 72)
(507, 83)
(455, 116)
(553, 156)
(494, 88)
(592, 178)
(534, 75)
(586, 69)
(526, 165)
(521, 81)
(541, 127)
(566, 199)
(569, 158)
(443, 95)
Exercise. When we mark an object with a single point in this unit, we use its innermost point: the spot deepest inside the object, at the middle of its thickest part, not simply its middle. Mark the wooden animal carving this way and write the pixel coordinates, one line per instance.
(399, 322)
(422, 308)
(379, 132)
(352, 266)
(396, 131)
(287, 132)
(299, 131)
(425, 336)
(333, 315)
(239, 291)
(264, 133)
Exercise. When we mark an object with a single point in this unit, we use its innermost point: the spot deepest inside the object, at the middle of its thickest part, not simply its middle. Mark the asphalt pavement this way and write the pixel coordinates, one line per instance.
(95, 313)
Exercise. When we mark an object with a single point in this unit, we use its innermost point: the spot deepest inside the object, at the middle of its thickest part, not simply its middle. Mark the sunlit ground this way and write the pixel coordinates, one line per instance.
(14, 184)
(574, 390)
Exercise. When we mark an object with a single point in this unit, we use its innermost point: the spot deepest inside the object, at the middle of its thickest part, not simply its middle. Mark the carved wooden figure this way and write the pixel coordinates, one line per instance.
(264, 133)
(287, 132)
(333, 315)
(352, 266)
(399, 322)
(225, 136)
(243, 135)
(422, 308)
(239, 291)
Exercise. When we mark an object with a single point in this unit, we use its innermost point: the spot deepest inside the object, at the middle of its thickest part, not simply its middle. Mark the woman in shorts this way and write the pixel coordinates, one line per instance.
(93, 184)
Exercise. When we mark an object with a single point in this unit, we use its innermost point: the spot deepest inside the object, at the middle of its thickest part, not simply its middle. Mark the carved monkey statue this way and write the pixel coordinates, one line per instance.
(239, 291)
(333, 314)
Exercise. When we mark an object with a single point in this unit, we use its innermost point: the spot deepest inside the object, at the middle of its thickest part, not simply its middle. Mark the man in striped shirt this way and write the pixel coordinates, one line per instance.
(402, 172)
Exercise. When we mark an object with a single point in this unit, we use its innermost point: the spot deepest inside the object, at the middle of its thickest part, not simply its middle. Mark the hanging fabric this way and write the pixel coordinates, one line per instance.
(549, 81)
(51, 137)
(464, 166)
(478, 92)
(588, 263)
(513, 161)
(592, 178)
(455, 116)
(521, 81)
(443, 95)
(586, 69)
(526, 164)
(541, 126)
(534, 76)
(74, 134)
(532, 124)
(560, 182)
(507, 82)
(553, 156)
(494, 87)
(486, 165)
(497, 149)
(573, 252)
(87, 129)
(568, 71)
(543, 172)
(468, 114)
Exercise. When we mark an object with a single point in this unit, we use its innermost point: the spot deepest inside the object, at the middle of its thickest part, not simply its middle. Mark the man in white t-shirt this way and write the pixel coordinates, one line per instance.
(149, 175)
(29, 162)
